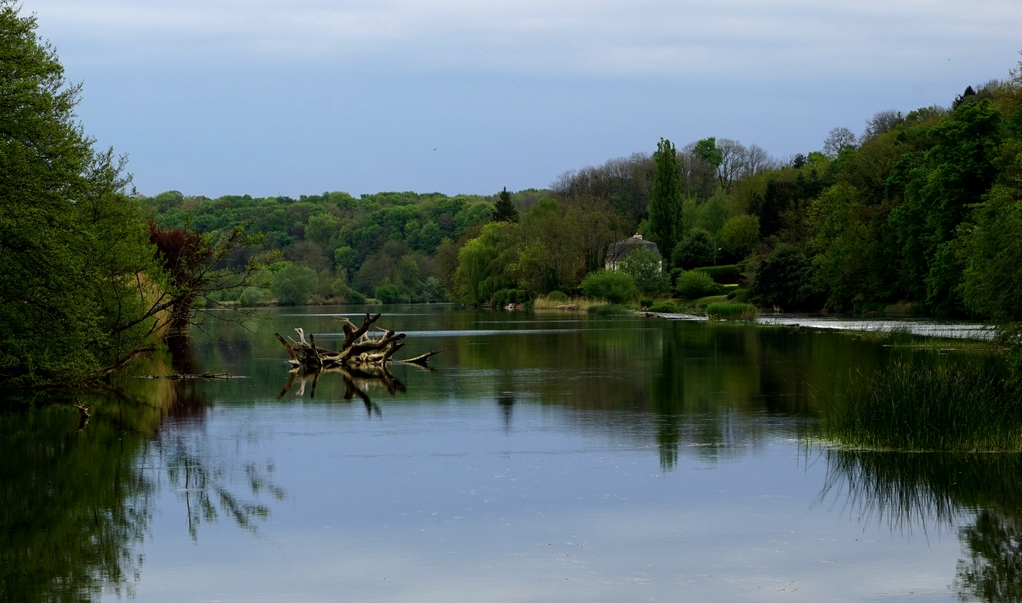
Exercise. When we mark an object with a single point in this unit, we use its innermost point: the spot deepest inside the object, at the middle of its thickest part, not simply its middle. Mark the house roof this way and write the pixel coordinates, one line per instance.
(622, 249)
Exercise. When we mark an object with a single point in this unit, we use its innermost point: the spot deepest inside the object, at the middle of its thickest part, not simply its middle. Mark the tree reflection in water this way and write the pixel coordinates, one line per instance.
(76, 505)
(941, 491)
(356, 382)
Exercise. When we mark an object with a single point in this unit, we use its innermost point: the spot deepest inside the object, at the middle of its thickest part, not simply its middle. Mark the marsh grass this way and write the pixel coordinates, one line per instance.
(731, 311)
(580, 304)
(950, 406)
(606, 310)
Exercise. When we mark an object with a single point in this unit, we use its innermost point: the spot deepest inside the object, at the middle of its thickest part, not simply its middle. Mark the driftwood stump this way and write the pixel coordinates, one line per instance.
(361, 348)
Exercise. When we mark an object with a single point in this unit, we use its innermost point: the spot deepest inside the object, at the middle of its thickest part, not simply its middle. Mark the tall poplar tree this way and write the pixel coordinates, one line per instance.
(665, 201)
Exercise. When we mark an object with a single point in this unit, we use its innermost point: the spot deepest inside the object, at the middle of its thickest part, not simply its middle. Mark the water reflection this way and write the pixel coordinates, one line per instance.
(938, 492)
(356, 383)
(77, 492)
(74, 507)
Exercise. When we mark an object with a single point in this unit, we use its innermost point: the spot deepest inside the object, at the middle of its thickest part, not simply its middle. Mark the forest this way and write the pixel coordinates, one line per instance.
(916, 214)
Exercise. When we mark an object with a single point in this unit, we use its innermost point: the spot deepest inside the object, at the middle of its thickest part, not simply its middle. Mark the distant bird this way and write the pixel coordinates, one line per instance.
(434, 149)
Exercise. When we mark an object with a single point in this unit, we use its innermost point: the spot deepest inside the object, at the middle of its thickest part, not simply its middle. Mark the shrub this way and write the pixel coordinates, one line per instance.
(294, 285)
(667, 306)
(692, 285)
(606, 310)
(614, 286)
(557, 296)
(252, 296)
(647, 271)
(728, 274)
(392, 294)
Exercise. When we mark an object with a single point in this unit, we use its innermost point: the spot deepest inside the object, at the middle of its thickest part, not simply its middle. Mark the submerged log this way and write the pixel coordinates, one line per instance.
(360, 349)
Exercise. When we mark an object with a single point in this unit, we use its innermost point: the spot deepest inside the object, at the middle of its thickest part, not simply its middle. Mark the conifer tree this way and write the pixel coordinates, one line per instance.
(505, 210)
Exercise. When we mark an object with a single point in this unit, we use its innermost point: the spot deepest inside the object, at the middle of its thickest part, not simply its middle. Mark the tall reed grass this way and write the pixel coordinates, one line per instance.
(731, 311)
(949, 406)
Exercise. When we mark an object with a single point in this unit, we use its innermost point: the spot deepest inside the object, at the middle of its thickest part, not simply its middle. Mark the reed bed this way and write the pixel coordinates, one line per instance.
(948, 407)
(564, 303)
(731, 311)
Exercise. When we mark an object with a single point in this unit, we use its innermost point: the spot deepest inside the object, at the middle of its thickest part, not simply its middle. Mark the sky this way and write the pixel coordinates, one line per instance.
(292, 97)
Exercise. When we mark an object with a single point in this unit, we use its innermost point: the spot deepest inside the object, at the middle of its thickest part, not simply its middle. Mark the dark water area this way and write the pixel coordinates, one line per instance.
(543, 457)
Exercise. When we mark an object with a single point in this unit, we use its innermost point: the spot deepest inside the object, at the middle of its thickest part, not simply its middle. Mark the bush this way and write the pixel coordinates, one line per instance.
(606, 310)
(392, 294)
(294, 285)
(667, 306)
(727, 275)
(509, 296)
(252, 296)
(692, 285)
(614, 286)
(557, 296)
(647, 271)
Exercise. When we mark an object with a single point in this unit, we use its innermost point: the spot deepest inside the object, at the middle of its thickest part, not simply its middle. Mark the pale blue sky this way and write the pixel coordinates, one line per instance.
(270, 97)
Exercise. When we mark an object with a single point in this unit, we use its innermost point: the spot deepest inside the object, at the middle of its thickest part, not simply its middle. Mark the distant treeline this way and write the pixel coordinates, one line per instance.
(921, 210)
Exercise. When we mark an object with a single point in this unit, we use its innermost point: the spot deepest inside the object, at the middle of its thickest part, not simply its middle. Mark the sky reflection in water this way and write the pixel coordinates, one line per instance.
(617, 460)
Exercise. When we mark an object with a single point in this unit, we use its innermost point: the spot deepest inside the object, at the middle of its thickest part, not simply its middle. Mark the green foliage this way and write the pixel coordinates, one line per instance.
(294, 285)
(615, 286)
(706, 149)
(785, 280)
(646, 269)
(992, 251)
(80, 285)
(731, 311)
(392, 294)
(693, 285)
(665, 201)
(739, 235)
(505, 210)
(252, 296)
(728, 274)
(696, 250)
(557, 296)
(668, 306)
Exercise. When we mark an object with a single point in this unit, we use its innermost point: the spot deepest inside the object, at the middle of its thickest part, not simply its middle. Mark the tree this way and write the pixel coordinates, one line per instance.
(837, 140)
(294, 285)
(505, 210)
(646, 269)
(79, 273)
(665, 203)
(696, 250)
(739, 235)
(785, 280)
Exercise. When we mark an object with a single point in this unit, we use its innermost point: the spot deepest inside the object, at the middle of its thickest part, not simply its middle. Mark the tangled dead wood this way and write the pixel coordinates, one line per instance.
(361, 349)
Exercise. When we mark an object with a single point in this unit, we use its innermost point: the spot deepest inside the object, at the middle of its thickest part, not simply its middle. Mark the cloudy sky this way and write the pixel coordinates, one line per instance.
(292, 97)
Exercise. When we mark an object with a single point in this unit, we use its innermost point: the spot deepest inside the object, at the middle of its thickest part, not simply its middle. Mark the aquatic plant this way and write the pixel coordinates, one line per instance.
(731, 311)
(949, 406)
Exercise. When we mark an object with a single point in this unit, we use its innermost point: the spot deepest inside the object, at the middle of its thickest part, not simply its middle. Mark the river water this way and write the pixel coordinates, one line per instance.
(543, 457)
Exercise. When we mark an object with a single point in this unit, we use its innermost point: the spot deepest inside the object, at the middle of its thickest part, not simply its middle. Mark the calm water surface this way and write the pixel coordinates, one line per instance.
(545, 457)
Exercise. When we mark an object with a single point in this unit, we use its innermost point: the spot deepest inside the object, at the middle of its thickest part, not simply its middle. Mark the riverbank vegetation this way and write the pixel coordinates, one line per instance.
(88, 283)
(916, 214)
